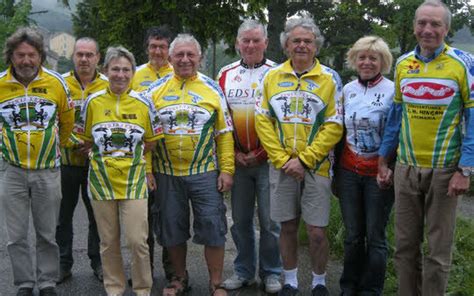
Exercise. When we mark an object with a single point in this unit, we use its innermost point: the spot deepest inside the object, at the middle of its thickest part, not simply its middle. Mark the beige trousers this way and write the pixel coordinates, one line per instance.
(422, 205)
(132, 215)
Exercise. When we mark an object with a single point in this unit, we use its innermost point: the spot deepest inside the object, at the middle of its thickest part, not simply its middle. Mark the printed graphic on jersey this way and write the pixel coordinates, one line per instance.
(117, 139)
(77, 110)
(428, 91)
(28, 113)
(365, 134)
(183, 119)
(296, 106)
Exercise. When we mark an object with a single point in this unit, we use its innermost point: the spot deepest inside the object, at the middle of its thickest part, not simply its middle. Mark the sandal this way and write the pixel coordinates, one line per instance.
(216, 290)
(177, 286)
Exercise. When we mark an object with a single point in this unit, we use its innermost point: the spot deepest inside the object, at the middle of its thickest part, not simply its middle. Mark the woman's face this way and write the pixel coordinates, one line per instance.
(120, 73)
(368, 63)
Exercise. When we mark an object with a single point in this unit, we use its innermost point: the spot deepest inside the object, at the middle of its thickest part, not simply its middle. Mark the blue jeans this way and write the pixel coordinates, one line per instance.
(365, 210)
(250, 185)
(73, 178)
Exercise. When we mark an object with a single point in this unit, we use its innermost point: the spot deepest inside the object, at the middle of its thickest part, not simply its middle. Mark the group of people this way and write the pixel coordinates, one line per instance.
(145, 145)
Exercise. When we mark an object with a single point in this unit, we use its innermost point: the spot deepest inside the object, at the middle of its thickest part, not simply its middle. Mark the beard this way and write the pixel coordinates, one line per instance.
(26, 73)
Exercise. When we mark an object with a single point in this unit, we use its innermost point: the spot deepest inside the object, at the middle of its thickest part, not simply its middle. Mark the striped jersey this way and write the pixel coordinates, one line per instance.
(197, 126)
(70, 155)
(36, 119)
(118, 126)
(239, 83)
(433, 96)
(300, 116)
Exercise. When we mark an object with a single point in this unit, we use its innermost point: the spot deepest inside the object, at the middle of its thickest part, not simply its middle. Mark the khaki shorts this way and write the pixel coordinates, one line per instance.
(290, 199)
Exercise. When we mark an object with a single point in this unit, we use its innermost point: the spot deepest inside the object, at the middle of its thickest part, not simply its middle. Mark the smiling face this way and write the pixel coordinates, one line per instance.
(158, 52)
(26, 62)
(185, 59)
(430, 28)
(85, 58)
(368, 64)
(252, 45)
(301, 47)
(120, 72)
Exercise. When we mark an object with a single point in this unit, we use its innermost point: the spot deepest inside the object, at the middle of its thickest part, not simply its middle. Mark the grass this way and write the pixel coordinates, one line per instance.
(461, 278)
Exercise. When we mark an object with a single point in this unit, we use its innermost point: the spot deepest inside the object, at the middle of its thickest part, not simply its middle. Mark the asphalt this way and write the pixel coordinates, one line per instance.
(83, 282)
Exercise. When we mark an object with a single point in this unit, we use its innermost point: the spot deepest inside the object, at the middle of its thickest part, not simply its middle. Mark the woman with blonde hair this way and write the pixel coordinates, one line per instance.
(365, 207)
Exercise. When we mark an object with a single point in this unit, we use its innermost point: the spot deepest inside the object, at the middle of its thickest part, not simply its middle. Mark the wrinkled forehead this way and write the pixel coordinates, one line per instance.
(185, 47)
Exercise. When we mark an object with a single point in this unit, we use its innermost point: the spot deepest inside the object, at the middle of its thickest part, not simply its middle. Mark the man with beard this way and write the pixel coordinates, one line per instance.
(82, 81)
(38, 116)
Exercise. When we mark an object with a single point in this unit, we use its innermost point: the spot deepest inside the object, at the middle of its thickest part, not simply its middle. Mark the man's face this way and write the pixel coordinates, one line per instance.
(85, 57)
(430, 28)
(251, 45)
(158, 52)
(26, 61)
(301, 45)
(185, 59)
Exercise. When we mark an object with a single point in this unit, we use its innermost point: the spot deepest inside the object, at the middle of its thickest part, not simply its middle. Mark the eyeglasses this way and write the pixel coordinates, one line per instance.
(298, 41)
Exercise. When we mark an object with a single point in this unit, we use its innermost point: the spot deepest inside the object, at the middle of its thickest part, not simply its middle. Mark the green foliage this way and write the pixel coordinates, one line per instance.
(64, 65)
(12, 16)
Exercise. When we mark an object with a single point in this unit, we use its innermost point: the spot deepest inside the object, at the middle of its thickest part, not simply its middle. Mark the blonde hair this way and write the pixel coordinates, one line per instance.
(372, 43)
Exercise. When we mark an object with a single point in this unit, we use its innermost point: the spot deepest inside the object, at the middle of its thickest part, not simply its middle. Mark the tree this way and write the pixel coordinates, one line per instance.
(12, 16)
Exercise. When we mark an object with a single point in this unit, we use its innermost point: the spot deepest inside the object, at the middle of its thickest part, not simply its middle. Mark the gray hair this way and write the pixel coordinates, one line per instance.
(250, 24)
(184, 38)
(118, 52)
(88, 40)
(28, 35)
(437, 3)
(306, 23)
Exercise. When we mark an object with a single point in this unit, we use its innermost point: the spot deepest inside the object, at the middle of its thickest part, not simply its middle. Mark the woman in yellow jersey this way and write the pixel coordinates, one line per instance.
(365, 207)
(119, 126)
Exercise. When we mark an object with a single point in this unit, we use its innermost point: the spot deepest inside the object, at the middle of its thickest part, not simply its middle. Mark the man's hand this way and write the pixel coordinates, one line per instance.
(240, 159)
(224, 182)
(458, 184)
(150, 182)
(251, 159)
(85, 147)
(294, 168)
(384, 174)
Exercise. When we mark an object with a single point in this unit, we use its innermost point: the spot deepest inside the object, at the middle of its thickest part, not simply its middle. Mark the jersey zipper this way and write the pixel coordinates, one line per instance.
(117, 106)
(247, 112)
(298, 92)
(28, 141)
(183, 93)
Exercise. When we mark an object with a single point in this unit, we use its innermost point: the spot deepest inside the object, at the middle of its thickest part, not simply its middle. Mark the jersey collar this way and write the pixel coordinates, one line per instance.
(370, 82)
(257, 65)
(432, 57)
(314, 71)
(11, 78)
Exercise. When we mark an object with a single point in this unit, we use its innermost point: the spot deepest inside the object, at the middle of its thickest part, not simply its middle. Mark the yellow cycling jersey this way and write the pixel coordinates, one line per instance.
(36, 119)
(300, 117)
(197, 126)
(434, 95)
(118, 126)
(70, 155)
(146, 75)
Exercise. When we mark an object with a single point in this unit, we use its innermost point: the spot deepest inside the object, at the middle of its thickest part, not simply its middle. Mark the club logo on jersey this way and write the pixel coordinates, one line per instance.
(183, 119)
(311, 84)
(378, 97)
(413, 67)
(440, 66)
(117, 139)
(170, 98)
(237, 79)
(427, 91)
(286, 84)
(195, 97)
(28, 113)
(292, 106)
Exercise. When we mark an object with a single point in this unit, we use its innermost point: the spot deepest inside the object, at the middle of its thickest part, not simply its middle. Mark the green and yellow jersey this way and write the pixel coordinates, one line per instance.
(118, 126)
(70, 155)
(146, 75)
(197, 126)
(36, 119)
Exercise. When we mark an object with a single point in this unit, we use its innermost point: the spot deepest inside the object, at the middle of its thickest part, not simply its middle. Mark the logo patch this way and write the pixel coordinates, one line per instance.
(286, 84)
(427, 91)
(170, 98)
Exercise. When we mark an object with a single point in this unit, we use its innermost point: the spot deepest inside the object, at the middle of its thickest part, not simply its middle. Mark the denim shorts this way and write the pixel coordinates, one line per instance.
(172, 211)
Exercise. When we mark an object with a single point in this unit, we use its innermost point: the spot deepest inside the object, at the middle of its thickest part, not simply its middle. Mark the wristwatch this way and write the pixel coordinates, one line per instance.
(466, 171)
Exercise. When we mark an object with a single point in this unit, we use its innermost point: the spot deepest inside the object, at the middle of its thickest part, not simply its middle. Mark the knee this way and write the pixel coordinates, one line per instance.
(289, 228)
(317, 235)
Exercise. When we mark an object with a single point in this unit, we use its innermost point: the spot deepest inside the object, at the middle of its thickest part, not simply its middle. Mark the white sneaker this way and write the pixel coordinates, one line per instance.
(235, 282)
(272, 284)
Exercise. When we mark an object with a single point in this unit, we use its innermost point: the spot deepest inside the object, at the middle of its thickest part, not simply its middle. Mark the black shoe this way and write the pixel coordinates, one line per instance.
(320, 290)
(25, 292)
(99, 273)
(288, 290)
(48, 291)
(64, 274)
